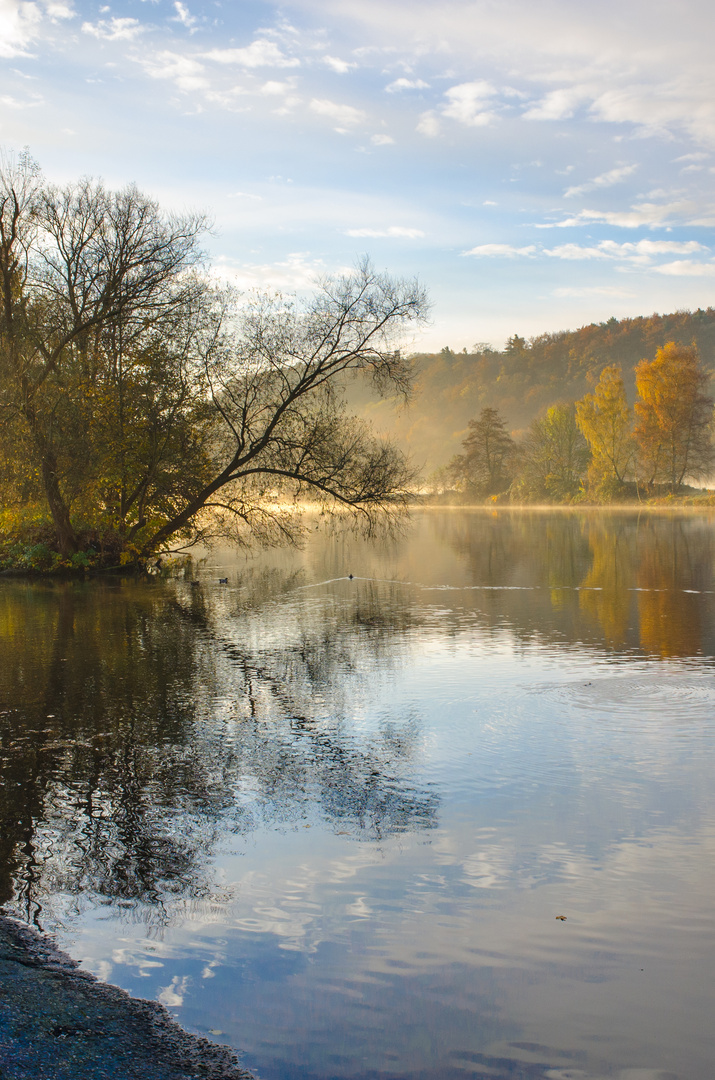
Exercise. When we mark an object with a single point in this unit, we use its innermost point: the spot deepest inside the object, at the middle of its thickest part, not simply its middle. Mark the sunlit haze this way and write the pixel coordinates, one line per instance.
(538, 166)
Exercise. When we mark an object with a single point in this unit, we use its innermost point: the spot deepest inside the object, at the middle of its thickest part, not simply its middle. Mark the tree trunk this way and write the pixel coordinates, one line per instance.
(66, 536)
(67, 542)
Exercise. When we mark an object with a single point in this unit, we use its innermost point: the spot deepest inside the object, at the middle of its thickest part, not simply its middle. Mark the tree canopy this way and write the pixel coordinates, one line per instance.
(592, 448)
(552, 458)
(674, 416)
(144, 406)
(485, 466)
(525, 378)
(605, 420)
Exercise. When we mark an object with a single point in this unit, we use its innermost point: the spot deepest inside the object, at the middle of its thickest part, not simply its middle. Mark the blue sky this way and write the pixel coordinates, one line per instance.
(539, 165)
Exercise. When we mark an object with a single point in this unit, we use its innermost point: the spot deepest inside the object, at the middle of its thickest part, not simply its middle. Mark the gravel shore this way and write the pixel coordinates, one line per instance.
(58, 1022)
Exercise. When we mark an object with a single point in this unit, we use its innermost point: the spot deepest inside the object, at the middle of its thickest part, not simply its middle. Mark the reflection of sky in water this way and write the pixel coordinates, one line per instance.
(386, 790)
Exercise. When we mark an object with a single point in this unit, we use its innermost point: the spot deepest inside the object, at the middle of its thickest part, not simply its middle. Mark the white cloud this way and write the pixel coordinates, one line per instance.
(243, 195)
(336, 64)
(184, 16)
(173, 995)
(557, 104)
(345, 116)
(396, 231)
(260, 53)
(18, 23)
(607, 179)
(57, 10)
(382, 140)
(626, 64)
(15, 103)
(467, 103)
(655, 110)
(641, 252)
(594, 290)
(651, 215)
(500, 249)
(297, 272)
(687, 268)
(114, 29)
(186, 73)
(428, 124)
(230, 99)
(406, 84)
(575, 251)
(278, 88)
(653, 247)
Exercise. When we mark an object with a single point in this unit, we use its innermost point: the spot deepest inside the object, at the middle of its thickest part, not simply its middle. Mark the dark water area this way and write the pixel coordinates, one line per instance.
(332, 821)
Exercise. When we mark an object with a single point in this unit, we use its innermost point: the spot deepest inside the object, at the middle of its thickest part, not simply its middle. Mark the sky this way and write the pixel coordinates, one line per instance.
(538, 164)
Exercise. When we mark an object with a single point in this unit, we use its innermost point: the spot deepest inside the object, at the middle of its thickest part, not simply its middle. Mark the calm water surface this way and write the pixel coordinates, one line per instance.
(332, 821)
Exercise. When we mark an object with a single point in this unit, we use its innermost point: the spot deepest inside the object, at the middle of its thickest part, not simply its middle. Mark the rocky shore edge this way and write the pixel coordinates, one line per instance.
(58, 1022)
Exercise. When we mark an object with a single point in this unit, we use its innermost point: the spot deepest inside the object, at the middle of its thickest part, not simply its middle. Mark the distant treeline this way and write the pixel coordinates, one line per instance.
(599, 448)
(525, 378)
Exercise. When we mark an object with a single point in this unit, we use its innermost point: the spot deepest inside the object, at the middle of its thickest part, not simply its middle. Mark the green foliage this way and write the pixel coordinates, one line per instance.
(553, 460)
(486, 466)
(607, 488)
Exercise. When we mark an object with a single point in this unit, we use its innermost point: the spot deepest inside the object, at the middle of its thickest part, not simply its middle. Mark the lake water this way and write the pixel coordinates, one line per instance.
(333, 822)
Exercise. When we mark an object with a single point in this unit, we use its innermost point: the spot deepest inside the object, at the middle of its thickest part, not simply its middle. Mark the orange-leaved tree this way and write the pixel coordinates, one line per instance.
(674, 416)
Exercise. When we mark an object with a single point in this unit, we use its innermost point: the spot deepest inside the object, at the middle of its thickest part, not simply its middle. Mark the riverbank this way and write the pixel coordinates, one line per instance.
(58, 1022)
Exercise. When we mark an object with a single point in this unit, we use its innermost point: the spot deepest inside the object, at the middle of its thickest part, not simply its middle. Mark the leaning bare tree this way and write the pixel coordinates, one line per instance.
(281, 430)
(153, 408)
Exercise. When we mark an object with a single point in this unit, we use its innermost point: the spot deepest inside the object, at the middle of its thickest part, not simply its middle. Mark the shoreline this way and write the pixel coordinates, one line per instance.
(58, 1022)
(575, 507)
(687, 506)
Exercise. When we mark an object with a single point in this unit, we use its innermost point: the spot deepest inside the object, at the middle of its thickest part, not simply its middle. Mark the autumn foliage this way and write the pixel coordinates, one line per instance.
(654, 447)
(673, 417)
(606, 422)
(145, 408)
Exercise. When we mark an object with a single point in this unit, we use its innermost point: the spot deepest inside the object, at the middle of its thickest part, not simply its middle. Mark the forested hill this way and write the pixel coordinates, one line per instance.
(524, 379)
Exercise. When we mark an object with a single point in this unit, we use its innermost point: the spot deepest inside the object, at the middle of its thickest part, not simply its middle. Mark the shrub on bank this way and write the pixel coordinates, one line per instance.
(28, 545)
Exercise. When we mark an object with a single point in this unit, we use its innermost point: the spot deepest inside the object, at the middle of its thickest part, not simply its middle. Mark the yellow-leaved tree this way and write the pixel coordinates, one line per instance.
(606, 421)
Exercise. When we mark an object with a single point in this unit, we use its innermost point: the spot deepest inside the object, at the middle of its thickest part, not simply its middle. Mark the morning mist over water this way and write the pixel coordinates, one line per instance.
(333, 821)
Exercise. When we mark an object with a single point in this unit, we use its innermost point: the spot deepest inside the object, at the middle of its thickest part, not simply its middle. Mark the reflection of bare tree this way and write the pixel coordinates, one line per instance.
(141, 722)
